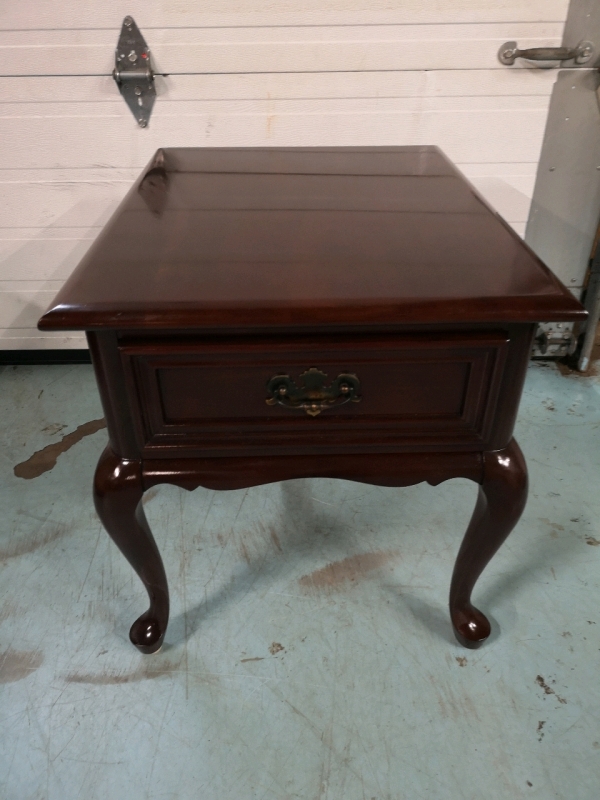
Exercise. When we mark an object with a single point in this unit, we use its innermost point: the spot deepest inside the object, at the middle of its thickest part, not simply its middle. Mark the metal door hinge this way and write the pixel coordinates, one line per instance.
(133, 72)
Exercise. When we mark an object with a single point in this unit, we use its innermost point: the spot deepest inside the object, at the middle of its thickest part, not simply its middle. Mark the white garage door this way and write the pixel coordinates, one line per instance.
(253, 73)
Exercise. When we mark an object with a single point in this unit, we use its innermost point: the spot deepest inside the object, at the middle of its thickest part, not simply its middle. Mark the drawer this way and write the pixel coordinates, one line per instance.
(301, 396)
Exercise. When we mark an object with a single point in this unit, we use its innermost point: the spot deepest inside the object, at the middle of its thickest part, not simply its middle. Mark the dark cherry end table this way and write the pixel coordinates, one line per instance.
(257, 315)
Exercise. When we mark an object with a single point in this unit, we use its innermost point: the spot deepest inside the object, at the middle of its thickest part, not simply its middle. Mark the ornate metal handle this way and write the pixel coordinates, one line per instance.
(311, 394)
(509, 52)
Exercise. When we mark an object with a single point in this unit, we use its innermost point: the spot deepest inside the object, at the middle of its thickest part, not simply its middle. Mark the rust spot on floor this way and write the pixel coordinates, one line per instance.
(276, 648)
(45, 459)
(592, 541)
(18, 664)
(30, 545)
(461, 661)
(349, 569)
(547, 689)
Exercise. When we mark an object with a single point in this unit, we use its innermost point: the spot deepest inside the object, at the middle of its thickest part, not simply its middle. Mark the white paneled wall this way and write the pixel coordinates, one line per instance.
(247, 72)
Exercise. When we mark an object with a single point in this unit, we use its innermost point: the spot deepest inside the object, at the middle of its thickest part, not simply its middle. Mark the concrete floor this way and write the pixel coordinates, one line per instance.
(309, 653)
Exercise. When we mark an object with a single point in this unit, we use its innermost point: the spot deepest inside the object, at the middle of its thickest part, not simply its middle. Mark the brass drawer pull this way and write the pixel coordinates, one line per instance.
(311, 394)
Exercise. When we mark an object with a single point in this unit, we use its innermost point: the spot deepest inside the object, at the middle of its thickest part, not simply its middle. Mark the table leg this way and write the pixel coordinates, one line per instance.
(501, 500)
(118, 491)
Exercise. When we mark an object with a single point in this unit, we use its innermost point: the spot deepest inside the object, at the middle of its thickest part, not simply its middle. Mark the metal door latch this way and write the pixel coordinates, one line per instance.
(581, 54)
(554, 340)
(133, 72)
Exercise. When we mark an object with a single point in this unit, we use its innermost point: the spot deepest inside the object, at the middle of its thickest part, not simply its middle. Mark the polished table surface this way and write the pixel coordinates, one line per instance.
(266, 314)
(306, 237)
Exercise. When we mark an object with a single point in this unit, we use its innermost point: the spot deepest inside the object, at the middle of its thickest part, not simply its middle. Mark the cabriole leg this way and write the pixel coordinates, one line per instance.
(118, 494)
(502, 497)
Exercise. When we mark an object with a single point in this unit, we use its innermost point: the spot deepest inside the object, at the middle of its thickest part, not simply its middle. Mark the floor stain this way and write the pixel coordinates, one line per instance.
(143, 673)
(30, 545)
(275, 539)
(56, 427)
(592, 541)
(7, 610)
(554, 527)
(149, 495)
(45, 459)
(461, 661)
(348, 569)
(276, 648)
(245, 553)
(246, 660)
(18, 664)
(547, 689)
(540, 727)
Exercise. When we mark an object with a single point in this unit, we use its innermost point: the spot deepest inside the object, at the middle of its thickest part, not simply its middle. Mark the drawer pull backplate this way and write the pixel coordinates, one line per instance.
(311, 394)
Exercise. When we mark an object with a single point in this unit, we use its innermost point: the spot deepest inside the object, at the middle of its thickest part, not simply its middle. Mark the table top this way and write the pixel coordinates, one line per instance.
(221, 237)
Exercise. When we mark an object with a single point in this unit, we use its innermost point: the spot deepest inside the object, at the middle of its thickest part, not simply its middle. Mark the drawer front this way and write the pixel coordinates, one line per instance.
(261, 397)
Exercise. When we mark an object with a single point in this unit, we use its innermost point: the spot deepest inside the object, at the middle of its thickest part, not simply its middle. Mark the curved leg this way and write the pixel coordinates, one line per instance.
(502, 497)
(118, 493)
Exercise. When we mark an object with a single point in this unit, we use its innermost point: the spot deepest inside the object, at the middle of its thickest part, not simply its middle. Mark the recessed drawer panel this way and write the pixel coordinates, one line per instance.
(381, 394)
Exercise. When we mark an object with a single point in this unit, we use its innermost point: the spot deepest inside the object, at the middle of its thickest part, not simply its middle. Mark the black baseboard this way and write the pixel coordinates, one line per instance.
(45, 357)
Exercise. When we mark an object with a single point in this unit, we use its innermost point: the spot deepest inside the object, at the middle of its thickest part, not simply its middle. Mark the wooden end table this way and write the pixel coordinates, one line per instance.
(258, 315)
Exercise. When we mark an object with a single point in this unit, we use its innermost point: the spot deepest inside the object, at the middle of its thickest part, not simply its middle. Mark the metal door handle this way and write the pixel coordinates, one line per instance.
(509, 52)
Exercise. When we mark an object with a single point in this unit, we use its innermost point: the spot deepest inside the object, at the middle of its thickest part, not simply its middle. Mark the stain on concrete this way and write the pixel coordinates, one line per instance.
(547, 689)
(245, 553)
(276, 648)
(56, 427)
(18, 664)
(275, 539)
(149, 495)
(16, 549)
(45, 459)
(592, 541)
(348, 570)
(7, 610)
(143, 673)
(540, 727)
(555, 528)
(461, 661)
(246, 660)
